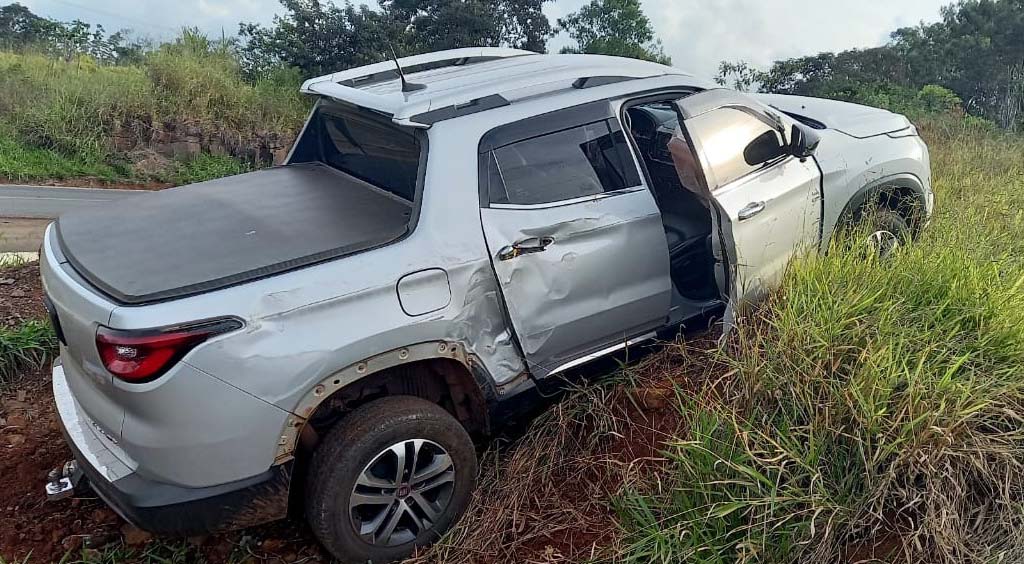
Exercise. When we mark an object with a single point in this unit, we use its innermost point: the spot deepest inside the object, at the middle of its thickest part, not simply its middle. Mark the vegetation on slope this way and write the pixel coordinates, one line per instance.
(869, 411)
(187, 101)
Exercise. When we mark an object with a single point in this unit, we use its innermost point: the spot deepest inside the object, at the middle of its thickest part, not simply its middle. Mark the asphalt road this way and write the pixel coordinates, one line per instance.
(25, 211)
(48, 202)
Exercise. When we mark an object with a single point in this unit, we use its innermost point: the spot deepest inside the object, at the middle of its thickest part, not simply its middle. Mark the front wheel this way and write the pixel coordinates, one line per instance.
(392, 475)
(886, 231)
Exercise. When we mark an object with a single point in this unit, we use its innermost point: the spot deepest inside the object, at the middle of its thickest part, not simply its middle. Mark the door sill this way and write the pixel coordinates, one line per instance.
(601, 353)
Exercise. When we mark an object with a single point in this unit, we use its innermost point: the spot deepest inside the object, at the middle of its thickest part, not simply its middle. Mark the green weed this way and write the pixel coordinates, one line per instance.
(25, 347)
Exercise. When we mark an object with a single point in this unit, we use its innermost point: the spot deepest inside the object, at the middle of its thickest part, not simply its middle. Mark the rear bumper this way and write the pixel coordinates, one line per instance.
(164, 508)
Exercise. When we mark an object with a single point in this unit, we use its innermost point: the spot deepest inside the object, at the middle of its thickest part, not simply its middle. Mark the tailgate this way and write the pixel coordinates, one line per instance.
(76, 311)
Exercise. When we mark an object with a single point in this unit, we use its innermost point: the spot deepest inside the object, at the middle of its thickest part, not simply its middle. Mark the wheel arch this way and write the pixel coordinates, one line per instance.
(440, 371)
(903, 193)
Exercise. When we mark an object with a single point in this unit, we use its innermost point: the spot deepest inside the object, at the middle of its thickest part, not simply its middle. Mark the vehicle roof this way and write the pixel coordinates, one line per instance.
(463, 81)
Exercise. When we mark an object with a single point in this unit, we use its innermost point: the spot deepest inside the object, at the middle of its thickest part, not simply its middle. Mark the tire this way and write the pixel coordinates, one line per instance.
(365, 447)
(886, 229)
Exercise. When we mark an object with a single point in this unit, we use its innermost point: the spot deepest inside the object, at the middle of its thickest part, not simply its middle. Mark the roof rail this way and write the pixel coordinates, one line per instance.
(363, 74)
(342, 85)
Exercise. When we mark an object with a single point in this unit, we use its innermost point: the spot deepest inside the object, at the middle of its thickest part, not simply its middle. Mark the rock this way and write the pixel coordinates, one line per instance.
(6, 281)
(179, 149)
(149, 163)
(134, 536)
(15, 439)
(18, 294)
(16, 420)
(280, 155)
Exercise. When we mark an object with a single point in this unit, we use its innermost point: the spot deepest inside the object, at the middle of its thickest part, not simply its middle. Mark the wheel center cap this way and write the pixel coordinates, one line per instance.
(403, 491)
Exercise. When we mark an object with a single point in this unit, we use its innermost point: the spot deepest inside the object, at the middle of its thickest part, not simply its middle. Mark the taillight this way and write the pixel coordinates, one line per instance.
(141, 356)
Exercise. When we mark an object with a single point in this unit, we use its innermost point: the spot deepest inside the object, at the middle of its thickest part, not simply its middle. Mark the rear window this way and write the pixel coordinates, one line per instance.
(364, 145)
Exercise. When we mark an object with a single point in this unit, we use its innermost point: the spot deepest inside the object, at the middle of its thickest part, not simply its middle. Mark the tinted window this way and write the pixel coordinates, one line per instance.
(724, 135)
(577, 162)
(372, 149)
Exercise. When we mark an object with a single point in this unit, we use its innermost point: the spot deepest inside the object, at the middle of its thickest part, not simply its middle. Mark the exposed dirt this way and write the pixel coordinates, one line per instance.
(21, 296)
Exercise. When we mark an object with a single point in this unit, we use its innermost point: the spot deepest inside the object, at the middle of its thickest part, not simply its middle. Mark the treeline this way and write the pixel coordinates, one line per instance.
(318, 36)
(972, 59)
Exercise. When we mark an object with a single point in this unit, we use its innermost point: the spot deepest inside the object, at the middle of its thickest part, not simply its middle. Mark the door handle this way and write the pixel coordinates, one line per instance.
(525, 247)
(750, 210)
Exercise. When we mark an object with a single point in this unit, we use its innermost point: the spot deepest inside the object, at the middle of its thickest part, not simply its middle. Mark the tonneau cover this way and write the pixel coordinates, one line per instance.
(203, 237)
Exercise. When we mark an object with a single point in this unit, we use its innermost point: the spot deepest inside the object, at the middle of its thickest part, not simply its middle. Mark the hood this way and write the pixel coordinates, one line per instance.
(852, 119)
(207, 236)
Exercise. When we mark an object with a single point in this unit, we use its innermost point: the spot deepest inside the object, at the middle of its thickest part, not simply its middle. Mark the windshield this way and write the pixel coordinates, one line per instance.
(364, 145)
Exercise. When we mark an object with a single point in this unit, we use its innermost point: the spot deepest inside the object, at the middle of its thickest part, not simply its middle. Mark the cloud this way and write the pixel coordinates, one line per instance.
(697, 34)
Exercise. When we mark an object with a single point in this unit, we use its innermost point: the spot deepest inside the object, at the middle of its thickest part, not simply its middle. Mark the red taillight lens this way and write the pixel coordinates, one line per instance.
(141, 356)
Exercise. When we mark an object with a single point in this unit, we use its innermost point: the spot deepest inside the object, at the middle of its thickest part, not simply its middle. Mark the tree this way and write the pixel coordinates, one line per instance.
(21, 29)
(315, 37)
(318, 37)
(976, 51)
(613, 27)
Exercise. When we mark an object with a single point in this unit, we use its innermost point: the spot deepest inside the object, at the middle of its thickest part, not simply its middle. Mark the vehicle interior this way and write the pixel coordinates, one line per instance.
(686, 217)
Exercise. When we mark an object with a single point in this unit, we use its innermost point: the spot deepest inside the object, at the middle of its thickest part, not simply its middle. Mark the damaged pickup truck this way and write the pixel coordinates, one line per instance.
(332, 335)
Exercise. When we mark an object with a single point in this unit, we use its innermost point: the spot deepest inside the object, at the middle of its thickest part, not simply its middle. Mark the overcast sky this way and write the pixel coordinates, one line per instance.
(697, 33)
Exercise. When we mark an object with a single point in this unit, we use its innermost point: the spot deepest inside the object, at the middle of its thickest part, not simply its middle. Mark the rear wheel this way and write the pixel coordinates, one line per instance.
(392, 475)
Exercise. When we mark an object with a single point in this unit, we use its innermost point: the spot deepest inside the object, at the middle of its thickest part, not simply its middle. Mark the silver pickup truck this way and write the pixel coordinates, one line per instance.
(337, 332)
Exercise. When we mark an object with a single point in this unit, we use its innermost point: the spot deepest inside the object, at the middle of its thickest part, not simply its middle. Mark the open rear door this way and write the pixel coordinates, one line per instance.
(734, 152)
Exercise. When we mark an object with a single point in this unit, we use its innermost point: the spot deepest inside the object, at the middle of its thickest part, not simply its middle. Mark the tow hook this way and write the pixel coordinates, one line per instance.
(61, 482)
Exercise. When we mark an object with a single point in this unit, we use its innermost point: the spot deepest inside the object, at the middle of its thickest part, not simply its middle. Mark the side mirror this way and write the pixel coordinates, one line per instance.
(803, 141)
(764, 148)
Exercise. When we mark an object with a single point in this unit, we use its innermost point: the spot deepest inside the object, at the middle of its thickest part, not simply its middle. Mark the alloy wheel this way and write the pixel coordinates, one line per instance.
(402, 492)
(883, 243)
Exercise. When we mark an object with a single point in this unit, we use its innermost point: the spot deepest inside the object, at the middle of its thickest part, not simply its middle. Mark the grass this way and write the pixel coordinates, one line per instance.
(25, 347)
(205, 167)
(62, 120)
(22, 162)
(874, 409)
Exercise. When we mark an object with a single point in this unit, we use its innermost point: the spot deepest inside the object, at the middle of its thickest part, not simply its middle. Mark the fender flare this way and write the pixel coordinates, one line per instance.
(338, 380)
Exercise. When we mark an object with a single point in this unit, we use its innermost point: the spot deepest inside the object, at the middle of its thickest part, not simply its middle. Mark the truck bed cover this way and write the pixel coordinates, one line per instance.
(207, 236)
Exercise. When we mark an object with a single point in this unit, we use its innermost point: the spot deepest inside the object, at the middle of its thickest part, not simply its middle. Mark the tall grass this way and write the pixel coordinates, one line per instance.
(61, 119)
(875, 408)
(25, 347)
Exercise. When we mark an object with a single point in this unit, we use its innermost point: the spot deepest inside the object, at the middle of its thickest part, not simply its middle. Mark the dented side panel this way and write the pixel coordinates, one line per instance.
(603, 278)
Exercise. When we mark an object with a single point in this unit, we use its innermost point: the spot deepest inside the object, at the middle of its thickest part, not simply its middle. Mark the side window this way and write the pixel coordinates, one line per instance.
(581, 161)
(733, 142)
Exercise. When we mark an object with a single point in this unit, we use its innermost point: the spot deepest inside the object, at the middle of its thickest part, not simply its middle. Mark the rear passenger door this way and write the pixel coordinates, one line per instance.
(575, 236)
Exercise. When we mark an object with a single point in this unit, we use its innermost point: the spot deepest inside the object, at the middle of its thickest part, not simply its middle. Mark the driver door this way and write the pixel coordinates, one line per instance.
(769, 202)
